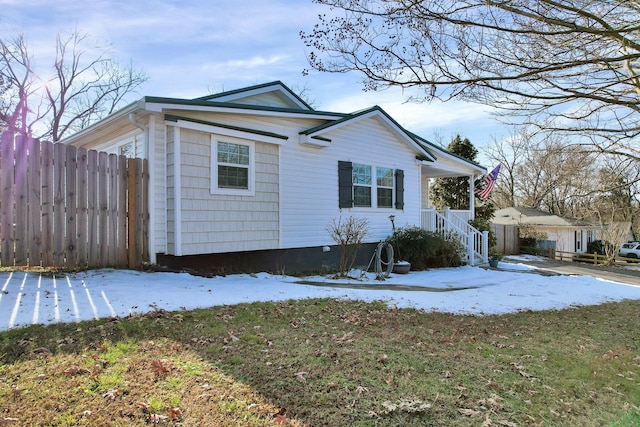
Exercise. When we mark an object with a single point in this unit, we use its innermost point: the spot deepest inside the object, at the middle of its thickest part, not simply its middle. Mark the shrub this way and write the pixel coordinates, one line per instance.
(597, 246)
(424, 249)
(349, 235)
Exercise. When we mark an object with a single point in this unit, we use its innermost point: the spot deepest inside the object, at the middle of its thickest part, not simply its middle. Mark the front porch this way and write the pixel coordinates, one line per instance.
(455, 223)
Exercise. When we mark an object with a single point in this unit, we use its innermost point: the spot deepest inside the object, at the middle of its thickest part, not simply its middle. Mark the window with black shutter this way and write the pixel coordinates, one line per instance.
(365, 186)
(399, 189)
(345, 184)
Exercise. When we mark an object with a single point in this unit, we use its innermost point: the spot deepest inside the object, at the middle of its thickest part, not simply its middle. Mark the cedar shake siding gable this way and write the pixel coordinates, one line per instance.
(240, 96)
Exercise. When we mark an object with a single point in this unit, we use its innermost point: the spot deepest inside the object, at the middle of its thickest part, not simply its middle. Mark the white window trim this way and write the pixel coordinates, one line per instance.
(113, 146)
(374, 189)
(133, 147)
(371, 186)
(393, 186)
(214, 167)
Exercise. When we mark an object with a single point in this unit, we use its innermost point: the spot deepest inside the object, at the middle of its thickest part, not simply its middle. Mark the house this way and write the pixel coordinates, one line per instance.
(569, 235)
(253, 177)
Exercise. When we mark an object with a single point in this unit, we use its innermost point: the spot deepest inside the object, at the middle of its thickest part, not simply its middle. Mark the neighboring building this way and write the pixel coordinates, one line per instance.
(257, 172)
(569, 235)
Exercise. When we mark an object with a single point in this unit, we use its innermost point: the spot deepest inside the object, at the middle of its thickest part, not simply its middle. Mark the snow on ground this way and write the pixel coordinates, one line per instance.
(28, 298)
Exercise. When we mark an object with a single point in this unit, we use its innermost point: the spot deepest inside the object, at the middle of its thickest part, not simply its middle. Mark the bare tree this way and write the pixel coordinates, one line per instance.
(507, 152)
(615, 201)
(561, 65)
(84, 85)
(542, 172)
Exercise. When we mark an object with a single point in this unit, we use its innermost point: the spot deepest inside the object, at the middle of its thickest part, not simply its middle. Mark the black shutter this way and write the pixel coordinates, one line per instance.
(345, 185)
(399, 189)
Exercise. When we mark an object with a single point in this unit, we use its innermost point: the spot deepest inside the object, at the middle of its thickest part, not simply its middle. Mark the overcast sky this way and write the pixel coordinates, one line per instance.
(191, 48)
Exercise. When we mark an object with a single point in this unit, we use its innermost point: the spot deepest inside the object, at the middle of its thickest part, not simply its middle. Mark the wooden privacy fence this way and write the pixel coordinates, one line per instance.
(507, 238)
(70, 207)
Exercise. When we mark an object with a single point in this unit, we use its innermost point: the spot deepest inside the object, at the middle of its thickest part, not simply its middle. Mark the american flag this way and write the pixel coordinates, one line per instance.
(489, 183)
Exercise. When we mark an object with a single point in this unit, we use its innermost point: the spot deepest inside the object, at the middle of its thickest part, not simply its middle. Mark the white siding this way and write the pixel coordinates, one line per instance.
(214, 223)
(309, 177)
(158, 184)
(565, 238)
(269, 99)
(296, 194)
(310, 183)
(170, 228)
(278, 125)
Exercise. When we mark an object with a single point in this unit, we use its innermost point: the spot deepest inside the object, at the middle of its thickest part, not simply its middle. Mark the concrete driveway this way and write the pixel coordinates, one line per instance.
(616, 274)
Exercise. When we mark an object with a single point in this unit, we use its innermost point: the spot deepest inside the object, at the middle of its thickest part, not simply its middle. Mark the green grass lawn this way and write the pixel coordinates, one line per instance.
(327, 363)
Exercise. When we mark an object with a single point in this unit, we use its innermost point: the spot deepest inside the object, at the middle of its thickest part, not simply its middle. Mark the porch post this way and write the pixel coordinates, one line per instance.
(472, 198)
(485, 246)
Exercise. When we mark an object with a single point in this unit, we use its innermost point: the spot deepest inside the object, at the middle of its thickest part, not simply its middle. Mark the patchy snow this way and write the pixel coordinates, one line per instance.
(28, 298)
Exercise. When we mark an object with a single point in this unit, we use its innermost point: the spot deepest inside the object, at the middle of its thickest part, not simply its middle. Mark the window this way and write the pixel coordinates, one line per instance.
(361, 185)
(232, 169)
(128, 150)
(384, 184)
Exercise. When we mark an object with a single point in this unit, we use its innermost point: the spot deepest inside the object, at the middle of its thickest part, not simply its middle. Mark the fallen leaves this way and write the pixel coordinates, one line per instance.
(300, 377)
(157, 418)
(469, 412)
(175, 414)
(111, 394)
(521, 370)
(161, 366)
(346, 338)
(75, 370)
(408, 406)
(280, 417)
(42, 352)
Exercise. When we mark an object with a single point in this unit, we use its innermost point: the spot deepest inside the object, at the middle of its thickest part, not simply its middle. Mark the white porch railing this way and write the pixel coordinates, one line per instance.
(476, 242)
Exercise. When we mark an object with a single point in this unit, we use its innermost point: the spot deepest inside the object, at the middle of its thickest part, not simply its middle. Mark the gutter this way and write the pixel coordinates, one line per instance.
(133, 107)
(145, 133)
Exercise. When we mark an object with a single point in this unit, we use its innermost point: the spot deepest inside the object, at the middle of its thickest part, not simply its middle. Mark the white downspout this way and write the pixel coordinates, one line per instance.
(145, 133)
(472, 197)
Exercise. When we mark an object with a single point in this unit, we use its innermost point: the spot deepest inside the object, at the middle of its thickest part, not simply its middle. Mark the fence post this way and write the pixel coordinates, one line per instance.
(58, 204)
(122, 211)
(47, 203)
(131, 211)
(6, 196)
(70, 206)
(82, 207)
(20, 200)
(485, 246)
(93, 209)
(34, 202)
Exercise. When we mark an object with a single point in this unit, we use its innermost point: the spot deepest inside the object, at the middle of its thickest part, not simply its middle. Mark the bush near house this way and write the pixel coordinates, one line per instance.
(598, 247)
(426, 249)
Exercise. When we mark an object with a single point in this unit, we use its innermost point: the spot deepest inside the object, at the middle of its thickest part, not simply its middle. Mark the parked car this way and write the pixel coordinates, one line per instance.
(630, 250)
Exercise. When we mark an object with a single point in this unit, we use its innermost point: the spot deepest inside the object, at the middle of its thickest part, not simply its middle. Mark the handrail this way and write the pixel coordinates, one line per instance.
(475, 241)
